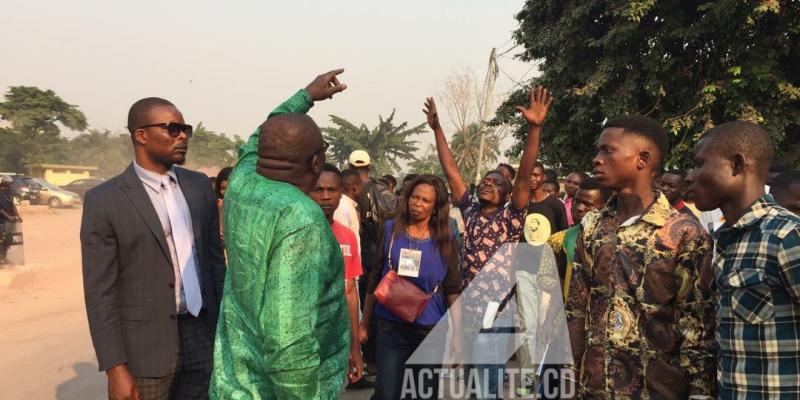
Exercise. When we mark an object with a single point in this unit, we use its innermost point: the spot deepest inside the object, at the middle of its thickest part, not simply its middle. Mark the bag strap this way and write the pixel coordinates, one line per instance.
(389, 255)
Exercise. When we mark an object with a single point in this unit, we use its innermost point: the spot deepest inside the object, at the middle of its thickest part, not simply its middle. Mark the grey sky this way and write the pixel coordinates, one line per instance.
(228, 64)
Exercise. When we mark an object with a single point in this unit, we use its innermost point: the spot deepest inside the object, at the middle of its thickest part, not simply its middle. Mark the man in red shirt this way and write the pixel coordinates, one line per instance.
(327, 193)
(673, 185)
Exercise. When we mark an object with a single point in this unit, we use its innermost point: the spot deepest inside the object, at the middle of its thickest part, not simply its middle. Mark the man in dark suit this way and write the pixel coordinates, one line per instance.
(153, 268)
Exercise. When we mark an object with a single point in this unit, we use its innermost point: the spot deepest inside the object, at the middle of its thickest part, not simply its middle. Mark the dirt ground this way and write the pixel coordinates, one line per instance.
(45, 348)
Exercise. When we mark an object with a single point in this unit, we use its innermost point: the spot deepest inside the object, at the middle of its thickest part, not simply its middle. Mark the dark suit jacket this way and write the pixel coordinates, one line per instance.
(128, 279)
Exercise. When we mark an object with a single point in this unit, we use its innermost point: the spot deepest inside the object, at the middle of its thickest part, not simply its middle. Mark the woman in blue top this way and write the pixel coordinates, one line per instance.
(420, 241)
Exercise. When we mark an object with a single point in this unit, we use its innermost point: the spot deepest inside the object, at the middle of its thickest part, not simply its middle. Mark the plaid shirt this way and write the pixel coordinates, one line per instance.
(757, 274)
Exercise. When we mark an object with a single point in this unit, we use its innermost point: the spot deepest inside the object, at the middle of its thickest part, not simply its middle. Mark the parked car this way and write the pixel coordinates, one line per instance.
(81, 186)
(23, 188)
(55, 196)
(34, 188)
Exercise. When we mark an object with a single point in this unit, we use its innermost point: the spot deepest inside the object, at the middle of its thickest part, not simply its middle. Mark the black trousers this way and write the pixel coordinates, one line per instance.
(369, 348)
(396, 343)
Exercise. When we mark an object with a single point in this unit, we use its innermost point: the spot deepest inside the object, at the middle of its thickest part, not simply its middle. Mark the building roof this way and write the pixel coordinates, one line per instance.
(62, 166)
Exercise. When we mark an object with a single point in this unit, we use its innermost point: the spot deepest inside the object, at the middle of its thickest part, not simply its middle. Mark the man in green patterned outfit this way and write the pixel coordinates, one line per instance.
(283, 327)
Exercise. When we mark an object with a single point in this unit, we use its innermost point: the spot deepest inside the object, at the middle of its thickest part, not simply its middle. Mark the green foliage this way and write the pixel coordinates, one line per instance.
(33, 135)
(465, 145)
(428, 163)
(385, 144)
(32, 109)
(110, 152)
(210, 149)
(689, 64)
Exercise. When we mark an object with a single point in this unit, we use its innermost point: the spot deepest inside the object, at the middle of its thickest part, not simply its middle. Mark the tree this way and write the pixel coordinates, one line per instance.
(110, 152)
(464, 145)
(463, 100)
(210, 149)
(34, 135)
(689, 64)
(386, 143)
(428, 163)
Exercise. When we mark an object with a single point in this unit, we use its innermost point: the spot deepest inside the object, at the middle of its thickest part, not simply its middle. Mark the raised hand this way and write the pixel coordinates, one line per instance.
(539, 104)
(326, 85)
(431, 114)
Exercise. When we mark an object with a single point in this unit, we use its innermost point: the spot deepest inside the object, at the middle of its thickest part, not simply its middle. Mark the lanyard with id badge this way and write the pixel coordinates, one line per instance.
(409, 263)
(399, 295)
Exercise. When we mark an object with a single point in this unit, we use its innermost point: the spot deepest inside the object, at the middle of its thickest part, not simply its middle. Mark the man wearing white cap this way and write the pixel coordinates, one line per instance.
(377, 202)
(359, 159)
(376, 205)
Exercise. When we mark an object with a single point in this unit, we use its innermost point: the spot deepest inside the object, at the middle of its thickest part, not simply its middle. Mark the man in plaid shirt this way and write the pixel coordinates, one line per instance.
(756, 265)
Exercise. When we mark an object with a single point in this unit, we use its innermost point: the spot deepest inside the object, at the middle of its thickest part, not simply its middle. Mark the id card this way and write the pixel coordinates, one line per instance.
(409, 263)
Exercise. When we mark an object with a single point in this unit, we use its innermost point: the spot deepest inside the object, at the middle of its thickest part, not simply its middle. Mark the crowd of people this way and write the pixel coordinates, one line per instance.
(291, 278)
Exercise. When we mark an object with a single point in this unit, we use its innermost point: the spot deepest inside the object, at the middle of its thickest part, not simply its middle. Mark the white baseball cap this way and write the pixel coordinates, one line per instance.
(359, 158)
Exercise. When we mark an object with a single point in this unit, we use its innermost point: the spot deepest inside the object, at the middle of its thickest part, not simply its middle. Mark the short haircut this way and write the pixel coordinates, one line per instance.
(509, 168)
(784, 180)
(137, 115)
(581, 174)
(550, 176)
(745, 138)
(590, 184)
(350, 173)
(778, 168)
(678, 172)
(292, 137)
(389, 179)
(556, 184)
(594, 184)
(538, 163)
(409, 177)
(222, 176)
(645, 128)
(328, 167)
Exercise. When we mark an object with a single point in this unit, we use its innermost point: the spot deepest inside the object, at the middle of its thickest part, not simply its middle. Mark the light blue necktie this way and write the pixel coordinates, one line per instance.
(182, 239)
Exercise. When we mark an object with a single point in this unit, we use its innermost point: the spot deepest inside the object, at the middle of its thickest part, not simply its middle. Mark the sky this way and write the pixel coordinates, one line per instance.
(228, 64)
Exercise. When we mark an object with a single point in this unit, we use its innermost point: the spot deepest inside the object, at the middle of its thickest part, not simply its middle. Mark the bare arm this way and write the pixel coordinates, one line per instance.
(10, 217)
(369, 305)
(454, 308)
(457, 185)
(356, 360)
(534, 114)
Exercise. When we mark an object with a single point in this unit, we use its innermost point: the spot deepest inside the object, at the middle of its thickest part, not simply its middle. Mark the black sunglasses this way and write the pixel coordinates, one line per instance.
(173, 128)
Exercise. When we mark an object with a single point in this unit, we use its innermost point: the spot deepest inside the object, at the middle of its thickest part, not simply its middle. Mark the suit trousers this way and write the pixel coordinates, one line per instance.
(191, 371)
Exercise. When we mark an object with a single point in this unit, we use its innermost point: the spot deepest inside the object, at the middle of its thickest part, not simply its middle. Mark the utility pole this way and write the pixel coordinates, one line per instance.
(485, 109)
